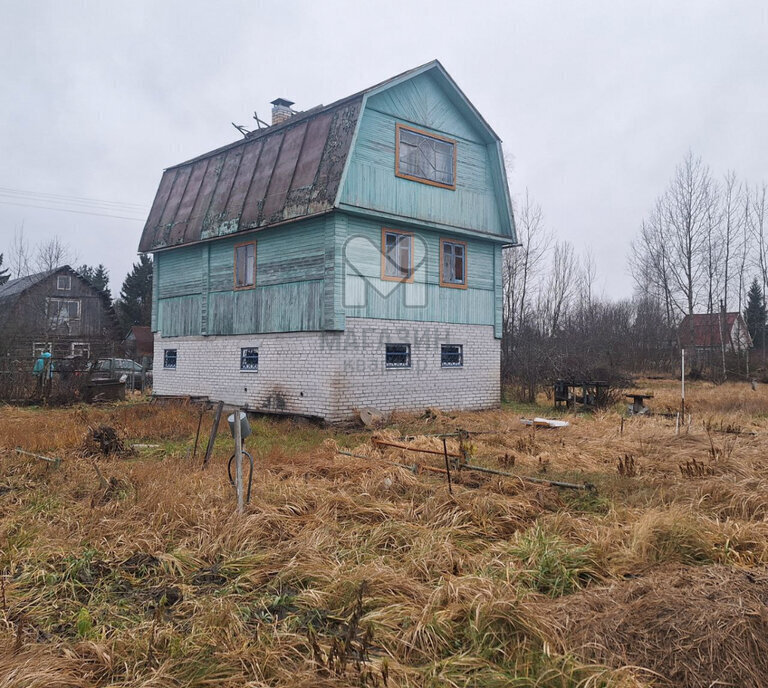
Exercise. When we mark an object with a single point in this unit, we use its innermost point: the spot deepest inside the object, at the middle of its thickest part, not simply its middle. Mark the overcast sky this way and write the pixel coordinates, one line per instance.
(596, 102)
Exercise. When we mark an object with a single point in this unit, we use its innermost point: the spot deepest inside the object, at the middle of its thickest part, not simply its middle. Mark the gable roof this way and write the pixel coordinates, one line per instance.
(703, 329)
(14, 288)
(282, 173)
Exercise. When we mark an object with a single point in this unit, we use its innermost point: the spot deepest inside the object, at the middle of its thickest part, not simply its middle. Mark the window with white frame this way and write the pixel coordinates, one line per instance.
(451, 355)
(169, 358)
(249, 359)
(398, 356)
(397, 255)
(64, 282)
(62, 311)
(425, 157)
(39, 347)
(82, 349)
(453, 263)
(245, 265)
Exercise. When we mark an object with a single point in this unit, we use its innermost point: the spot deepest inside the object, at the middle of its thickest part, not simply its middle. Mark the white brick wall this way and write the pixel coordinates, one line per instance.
(331, 374)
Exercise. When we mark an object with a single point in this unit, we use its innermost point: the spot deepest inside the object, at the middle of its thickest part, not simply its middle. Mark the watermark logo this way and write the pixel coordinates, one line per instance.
(365, 265)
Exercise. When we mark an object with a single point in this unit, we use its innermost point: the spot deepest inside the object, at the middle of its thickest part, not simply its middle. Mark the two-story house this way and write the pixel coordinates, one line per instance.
(58, 311)
(344, 257)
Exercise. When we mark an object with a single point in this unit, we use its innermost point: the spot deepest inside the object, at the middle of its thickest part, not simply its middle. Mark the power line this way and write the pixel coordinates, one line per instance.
(63, 197)
(71, 210)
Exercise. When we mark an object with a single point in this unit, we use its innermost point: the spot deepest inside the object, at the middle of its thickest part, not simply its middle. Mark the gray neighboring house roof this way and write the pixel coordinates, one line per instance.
(12, 289)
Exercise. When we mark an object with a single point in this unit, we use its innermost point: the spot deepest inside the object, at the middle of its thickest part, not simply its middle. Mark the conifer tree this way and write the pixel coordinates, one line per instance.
(134, 307)
(755, 314)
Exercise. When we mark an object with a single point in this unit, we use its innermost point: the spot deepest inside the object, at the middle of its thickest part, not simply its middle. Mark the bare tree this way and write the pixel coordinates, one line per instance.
(52, 254)
(20, 255)
(557, 293)
(523, 265)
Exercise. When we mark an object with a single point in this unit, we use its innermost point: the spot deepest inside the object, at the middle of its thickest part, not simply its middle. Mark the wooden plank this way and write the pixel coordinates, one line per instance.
(214, 430)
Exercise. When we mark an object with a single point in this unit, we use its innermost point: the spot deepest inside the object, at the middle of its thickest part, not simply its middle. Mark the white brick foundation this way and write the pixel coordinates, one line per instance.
(331, 374)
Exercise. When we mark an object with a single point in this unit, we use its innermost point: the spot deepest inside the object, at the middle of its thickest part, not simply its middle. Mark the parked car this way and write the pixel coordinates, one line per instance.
(123, 369)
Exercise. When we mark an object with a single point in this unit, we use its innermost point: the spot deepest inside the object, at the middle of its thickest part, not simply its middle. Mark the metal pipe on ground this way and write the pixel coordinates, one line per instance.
(480, 469)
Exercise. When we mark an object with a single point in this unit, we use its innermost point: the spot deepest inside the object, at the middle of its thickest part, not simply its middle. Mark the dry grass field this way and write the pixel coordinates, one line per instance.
(354, 572)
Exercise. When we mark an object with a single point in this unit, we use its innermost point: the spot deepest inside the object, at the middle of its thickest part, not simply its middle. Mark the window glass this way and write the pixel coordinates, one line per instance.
(451, 355)
(453, 263)
(398, 356)
(61, 311)
(80, 349)
(425, 157)
(249, 359)
(169, 358)
(245, 265)
(397, 255)
(64, 282)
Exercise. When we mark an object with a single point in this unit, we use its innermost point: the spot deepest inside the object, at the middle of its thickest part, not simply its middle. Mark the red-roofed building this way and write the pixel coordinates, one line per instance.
(705, 331)
(139, 343)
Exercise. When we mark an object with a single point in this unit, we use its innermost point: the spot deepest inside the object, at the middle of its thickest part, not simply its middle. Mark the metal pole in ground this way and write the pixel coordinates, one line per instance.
(238, 462)
(682, 384)
(447, 466)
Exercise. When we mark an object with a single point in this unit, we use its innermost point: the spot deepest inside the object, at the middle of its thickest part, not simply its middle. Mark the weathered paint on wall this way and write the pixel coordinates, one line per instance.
(370, 180)
(195, 284)
(365, 295)
(312, 277)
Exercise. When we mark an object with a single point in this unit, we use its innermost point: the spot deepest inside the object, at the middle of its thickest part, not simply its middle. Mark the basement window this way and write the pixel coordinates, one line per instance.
(249, 359)
(398, 356)
(64, 282)
(451, 356)
(245, 265)
(425, 158)
(453, 264)
(396, 255)
(169, 358)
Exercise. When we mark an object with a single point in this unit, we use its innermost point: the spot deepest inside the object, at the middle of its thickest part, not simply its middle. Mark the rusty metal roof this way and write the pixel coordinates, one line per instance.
(284, 172)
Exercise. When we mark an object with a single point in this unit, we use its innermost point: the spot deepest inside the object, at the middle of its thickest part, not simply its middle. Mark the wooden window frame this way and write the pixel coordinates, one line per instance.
(384, 275)
(175, 359)
(234, 265)
(69, 282)
(454, 285)
(402, 175)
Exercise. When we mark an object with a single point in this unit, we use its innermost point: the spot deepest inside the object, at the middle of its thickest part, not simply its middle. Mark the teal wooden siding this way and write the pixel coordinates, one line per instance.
(194, 284)
(370, 180)
(365, 295)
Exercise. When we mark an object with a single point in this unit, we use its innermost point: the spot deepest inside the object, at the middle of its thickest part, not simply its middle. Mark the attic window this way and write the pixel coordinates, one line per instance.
(64, 282)
(245, 265)
(425, 158)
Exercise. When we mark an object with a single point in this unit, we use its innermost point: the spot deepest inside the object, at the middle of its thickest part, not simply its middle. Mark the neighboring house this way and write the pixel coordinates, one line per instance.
(139, 344)
(57, 311)
(344, 257)
(709, 331)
